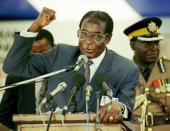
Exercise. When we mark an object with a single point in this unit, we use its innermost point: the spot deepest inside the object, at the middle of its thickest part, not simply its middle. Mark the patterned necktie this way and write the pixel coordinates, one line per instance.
(80, 96)
(87, 74)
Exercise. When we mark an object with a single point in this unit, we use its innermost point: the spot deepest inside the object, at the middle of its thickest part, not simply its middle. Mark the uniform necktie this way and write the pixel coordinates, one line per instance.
(146, 73)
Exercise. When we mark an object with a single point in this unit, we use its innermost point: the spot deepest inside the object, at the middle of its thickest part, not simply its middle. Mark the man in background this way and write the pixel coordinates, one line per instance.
(24, 99)
(153, 91)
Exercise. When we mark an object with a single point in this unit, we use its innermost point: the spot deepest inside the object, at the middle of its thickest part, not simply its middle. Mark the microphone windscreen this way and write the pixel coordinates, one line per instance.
(101, 77)
(78, 80)
(83, 57)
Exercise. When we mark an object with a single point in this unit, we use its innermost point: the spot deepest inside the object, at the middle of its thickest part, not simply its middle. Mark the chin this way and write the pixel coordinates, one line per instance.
(152, 60)
(89, 55)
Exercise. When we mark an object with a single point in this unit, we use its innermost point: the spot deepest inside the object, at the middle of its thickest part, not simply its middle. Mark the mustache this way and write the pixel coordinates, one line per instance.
(152, 52)
(86, 46)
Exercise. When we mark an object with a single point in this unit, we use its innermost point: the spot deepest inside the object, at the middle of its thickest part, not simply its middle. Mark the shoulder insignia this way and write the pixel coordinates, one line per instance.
(165, 58)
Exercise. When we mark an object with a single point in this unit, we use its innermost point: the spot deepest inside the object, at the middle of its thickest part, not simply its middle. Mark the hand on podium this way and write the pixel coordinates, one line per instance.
(111, 112)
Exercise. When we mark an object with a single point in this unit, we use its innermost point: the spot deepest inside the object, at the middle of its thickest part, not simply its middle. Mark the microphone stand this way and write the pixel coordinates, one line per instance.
(69, 68)
(52, 109)
(98, 94)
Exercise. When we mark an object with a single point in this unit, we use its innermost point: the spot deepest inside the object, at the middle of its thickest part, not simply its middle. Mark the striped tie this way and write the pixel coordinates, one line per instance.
(87, 74)
(80, 96)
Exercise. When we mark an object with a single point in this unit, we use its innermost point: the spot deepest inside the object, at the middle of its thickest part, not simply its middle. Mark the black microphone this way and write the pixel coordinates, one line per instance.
(101, 79)
(82, 59)
(78, 80)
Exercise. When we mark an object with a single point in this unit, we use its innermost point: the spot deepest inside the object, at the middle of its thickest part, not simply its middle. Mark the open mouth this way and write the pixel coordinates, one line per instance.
(88, 51)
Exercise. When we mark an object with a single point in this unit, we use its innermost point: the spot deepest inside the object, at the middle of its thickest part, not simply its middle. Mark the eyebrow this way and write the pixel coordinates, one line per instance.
(93, 32)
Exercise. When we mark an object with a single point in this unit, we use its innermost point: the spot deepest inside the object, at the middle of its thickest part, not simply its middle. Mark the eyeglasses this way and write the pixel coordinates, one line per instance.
(96, 37)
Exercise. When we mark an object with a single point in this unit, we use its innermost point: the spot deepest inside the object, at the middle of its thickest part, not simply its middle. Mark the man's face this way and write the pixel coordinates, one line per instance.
(41, 46)
(92, 39)
(146, 52)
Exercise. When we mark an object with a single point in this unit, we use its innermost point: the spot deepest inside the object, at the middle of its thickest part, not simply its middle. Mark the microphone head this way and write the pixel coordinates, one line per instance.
(62, 85)
(101, 77)
(83, 57)
(89, 87)
(78, 80)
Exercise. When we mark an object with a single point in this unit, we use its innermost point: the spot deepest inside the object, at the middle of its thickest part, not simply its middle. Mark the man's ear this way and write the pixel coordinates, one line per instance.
(132, 45)
(77, 33)
(108, 39)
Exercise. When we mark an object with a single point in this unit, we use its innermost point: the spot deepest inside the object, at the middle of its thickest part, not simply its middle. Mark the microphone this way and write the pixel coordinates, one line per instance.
(101, 79)
(82, 59)
(88, 93)
(78, 80)
(61, 86)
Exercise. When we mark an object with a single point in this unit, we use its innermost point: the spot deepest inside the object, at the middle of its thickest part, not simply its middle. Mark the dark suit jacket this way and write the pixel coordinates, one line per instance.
(123, 74)
(18, 100)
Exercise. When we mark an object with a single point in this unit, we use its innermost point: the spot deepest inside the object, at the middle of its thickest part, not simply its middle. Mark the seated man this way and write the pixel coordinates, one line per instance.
(153, 91)
(24, 99)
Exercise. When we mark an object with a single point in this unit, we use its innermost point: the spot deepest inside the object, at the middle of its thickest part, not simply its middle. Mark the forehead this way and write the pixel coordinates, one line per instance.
(92, 24)
(41, 43)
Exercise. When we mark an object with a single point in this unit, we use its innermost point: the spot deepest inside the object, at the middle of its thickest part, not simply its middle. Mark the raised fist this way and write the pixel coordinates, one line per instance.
(45, 18)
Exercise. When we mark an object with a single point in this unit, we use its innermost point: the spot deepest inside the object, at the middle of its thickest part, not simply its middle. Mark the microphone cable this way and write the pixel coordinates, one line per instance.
(41, 116)
(63, 124)
(87, 116)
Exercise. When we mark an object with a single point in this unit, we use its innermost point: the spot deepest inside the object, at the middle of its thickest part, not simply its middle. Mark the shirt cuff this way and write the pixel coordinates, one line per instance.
(125, 112)
(27, 34)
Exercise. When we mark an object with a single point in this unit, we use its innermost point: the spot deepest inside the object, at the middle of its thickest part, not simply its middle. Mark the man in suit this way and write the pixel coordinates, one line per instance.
(153, 91)
(95, 32)
(23, 99)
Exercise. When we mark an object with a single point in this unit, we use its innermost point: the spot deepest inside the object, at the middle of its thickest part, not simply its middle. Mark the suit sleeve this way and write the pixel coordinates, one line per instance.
(20, 62)
(127, 90)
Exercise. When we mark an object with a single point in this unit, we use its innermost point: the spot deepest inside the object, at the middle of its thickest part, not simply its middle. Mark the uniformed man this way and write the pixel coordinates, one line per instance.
(152, 107)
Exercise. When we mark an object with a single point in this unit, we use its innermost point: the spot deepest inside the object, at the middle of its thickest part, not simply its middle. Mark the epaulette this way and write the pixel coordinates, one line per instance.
(161, 64)
(165, 58)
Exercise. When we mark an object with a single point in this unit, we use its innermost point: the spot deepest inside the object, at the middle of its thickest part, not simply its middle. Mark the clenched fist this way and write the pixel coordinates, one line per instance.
(45, 18)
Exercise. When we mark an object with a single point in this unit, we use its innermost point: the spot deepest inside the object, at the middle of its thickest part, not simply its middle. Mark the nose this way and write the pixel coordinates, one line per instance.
(154, 47)
(89, 39)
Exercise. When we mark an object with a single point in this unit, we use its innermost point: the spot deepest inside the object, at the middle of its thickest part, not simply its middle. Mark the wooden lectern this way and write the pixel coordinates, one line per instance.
(72, 122)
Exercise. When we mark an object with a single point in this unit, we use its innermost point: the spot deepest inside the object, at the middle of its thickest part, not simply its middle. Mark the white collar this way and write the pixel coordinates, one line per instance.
(98, 60)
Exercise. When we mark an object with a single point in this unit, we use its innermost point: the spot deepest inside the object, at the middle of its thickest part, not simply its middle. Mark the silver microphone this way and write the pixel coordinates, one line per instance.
(82, 59)
(61, 86)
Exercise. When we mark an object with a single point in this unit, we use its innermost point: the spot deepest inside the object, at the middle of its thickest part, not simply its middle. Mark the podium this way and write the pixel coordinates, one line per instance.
(72, 122)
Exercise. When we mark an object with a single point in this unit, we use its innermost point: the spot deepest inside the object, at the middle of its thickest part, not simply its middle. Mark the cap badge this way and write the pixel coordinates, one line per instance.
(152, 27)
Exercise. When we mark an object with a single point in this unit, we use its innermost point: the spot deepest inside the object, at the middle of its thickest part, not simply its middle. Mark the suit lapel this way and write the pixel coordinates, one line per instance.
(106, 64)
